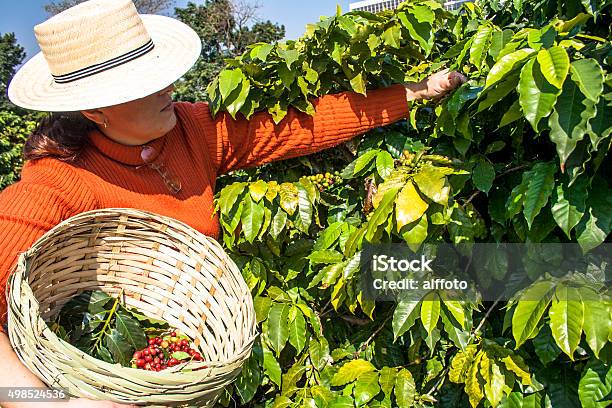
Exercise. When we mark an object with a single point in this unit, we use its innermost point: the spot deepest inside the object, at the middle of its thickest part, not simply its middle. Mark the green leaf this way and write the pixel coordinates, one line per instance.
(97, 301)
(591, 235)
(496, 93)
(601, 126)
(569, 120)
(387, 379)
(297, 330)
(358, 83)
(229, 80)
(327, 238)
(118, 347)
(350, 371)
(366, 388)
(513, 114)
(483, 175)
(381, 214)
(423, 13)
(290, 56)
(252, 218)
(453, 328)
(415, 234)
(545, 346)
(404, 316)
(540, 186)
(326, 256)
(237, 99)
(405, 389)
(318, 350)
(105, 355)
(391, 36)
(278, 222)
(278, 326)
(364, 160)
(409, 206)
(597, 321)
(130, 330)
(595, 385)
(569, 205)
(247, 382)
(271, 367)
(536, 96)
(422, 32)
(342, 401)
(261, 52)
(229, 195)
(530, 309)
(430, 311)
(499, 39)
(384, 164)
(480, 45)
(587, 73)
(554, 64)
(305, 208)
(506, 64)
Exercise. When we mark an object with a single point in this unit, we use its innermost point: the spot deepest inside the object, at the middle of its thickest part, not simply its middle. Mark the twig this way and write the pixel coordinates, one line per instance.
(355, 320)
(510, 170)
(365, 345)
(110, 316)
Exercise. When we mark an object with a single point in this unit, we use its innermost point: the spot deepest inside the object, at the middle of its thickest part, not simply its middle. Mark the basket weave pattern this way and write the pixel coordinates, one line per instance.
(167, 270)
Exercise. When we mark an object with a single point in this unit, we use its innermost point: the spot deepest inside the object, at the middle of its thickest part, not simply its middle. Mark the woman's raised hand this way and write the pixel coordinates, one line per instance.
(435, 86)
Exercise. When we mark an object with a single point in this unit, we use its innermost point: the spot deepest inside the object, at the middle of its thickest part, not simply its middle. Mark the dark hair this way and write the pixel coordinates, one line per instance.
(60, 134)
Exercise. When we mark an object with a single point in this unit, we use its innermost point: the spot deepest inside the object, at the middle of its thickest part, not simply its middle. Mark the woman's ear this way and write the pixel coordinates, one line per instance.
(95, 115)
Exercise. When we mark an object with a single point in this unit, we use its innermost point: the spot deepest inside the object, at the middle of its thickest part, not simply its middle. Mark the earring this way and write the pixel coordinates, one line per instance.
(105, 124)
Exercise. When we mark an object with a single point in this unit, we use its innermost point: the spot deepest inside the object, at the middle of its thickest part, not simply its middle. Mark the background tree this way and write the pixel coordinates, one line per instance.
(143, 6)
(223, 26)
(11, 55)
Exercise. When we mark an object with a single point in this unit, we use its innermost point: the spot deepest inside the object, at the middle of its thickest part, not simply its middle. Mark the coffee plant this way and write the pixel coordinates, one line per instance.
(518, 154)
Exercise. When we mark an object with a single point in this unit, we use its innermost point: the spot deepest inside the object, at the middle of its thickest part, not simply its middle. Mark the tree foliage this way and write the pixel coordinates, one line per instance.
(11, 55)
(518, 154)
(223, 26)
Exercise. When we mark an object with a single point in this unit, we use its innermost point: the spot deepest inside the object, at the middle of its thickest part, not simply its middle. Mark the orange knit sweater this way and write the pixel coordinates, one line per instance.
(197, 150)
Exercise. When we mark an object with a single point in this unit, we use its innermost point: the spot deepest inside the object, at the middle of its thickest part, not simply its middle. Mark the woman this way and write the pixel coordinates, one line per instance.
(123, 143)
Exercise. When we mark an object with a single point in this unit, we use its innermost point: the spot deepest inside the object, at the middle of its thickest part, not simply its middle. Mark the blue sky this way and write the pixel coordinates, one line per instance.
(21, 16)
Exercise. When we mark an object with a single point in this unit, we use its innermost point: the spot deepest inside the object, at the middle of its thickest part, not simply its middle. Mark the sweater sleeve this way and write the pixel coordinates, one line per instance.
(241, 143)
(49, 192)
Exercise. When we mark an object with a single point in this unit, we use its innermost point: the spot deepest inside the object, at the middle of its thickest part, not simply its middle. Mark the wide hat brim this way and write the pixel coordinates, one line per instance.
(176, 48)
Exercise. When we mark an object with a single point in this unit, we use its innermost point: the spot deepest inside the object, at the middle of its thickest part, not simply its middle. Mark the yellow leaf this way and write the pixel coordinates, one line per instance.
(517, 366)
(461, 364)
(272, 191)
(288, 197)
(258, 189)
(409, 206)
(473, 386)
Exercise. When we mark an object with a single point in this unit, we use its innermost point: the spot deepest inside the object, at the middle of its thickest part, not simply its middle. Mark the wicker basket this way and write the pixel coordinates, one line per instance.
(167, 270)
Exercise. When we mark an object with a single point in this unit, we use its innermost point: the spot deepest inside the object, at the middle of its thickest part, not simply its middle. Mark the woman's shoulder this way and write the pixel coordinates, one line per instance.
(48, 168)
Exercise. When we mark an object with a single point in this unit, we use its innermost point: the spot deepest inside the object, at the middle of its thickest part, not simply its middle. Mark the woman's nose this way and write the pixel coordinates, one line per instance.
(169, 89)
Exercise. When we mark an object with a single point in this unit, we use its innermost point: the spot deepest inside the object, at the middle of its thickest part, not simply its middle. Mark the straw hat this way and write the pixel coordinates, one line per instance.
(101, 53)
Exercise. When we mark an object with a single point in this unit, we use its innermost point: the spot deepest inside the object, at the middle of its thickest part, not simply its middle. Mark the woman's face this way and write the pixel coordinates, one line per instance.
(139, 121)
